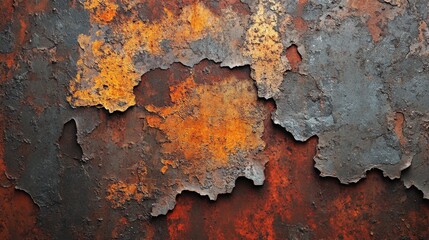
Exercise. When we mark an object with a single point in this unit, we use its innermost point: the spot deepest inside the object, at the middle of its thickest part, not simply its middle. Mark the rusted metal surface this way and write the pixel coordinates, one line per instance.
(111, 109)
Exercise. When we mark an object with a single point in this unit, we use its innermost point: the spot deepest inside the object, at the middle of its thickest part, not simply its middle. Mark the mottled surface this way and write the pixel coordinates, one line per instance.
(110, 109)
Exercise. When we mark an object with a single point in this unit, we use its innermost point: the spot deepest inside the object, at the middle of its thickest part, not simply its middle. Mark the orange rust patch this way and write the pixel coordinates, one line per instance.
(102, 11)
(423, 31)
(194, 22)
(112, 85)
(106, 70)
(210, 122)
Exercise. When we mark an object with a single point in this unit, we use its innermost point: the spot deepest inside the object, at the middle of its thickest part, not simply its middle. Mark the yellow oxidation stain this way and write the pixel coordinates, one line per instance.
(120, 192)
(106, 72)
(209, 123)
(264, 47)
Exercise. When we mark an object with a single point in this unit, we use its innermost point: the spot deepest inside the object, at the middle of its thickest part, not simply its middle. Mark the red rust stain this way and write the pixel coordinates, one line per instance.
(299, 23)
(18, 213)
(118, 130)
(119, 227)
(6, 13)
(179, 221)
(294, 57)
(236, 5)
(9, 58)
(399, 125)
(34, 6)
(2, 165)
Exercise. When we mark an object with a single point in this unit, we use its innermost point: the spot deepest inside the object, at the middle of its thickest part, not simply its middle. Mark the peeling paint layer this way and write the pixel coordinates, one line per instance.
(362, 90)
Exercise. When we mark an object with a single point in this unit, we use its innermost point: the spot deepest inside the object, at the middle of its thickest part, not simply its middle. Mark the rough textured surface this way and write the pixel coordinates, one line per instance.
(184, 143)
(180, 81)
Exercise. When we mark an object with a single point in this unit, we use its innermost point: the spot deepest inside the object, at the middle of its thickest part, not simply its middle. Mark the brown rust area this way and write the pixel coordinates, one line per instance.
(6, 15)
(294, 57)
(19, 21)
(18, 215)
(299, 23)
(120, 192)
(18, 212)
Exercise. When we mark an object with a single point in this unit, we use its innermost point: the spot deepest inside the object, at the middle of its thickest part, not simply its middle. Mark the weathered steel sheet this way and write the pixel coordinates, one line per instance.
(112, 108)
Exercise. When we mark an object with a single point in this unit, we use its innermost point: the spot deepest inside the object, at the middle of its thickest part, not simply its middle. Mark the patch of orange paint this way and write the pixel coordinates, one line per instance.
(210, 122)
